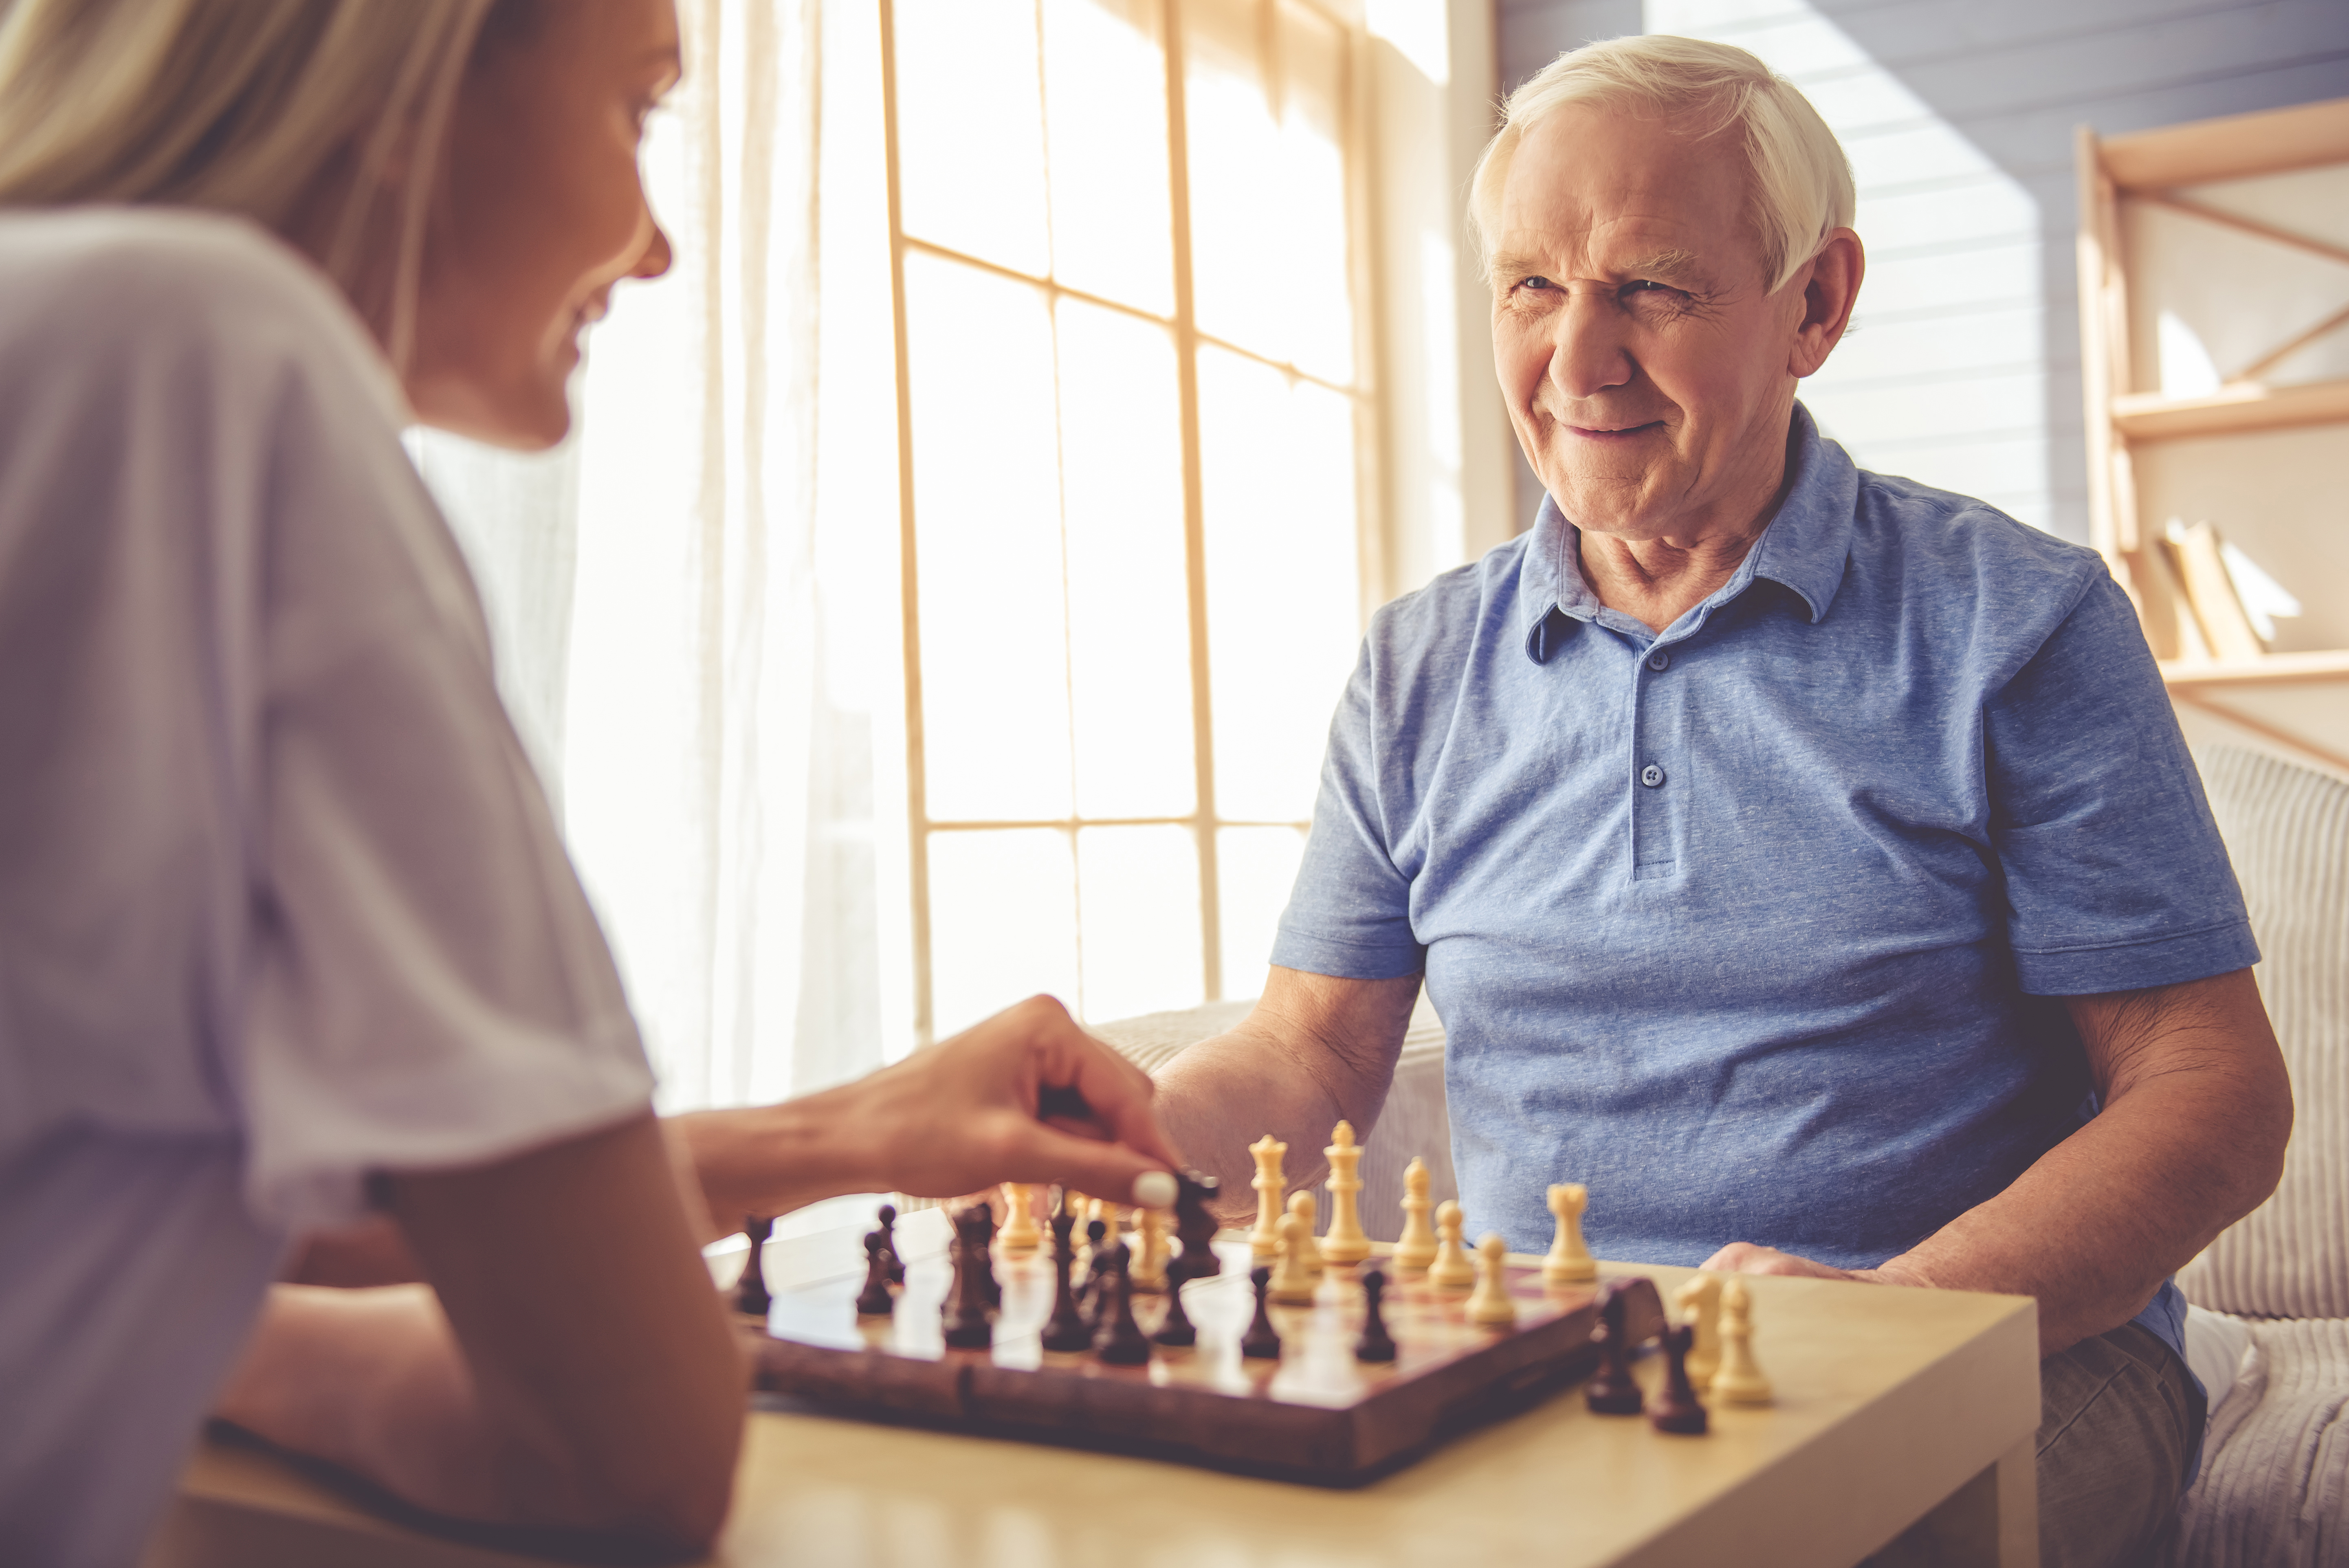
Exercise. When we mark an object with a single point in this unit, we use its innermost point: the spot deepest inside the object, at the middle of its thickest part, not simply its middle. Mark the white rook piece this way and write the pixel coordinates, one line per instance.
(1345, 1243)
(1569, 1260)
(1271, 1196)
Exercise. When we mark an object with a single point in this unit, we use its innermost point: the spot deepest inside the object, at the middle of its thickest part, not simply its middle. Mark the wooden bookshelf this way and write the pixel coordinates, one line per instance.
(2128, 425)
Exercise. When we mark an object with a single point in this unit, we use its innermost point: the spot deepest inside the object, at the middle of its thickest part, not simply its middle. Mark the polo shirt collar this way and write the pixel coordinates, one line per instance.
(1803, 548)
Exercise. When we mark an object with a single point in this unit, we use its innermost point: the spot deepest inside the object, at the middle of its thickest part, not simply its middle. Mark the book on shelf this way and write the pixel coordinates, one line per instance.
(2212, 605)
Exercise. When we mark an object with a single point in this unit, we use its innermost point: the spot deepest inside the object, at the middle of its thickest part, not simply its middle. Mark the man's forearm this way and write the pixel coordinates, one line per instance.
(1222, 1094)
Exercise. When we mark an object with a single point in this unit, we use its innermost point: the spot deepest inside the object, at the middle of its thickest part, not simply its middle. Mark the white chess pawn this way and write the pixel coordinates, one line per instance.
(1271, 1196)
(1569, 1261)
(1292, 1277)
(1452, 1270)
(1346, 1244)
(1739, 1380)
(1416, 1249)
(1302, 1205)
(1490, 1306)
(1699, 1301)
(1019, 1234)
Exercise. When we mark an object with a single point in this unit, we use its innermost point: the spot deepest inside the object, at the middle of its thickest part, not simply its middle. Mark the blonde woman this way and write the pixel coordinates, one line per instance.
(287, 938)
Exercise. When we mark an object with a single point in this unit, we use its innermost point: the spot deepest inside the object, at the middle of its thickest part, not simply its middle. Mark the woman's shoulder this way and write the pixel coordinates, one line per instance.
(106, 283)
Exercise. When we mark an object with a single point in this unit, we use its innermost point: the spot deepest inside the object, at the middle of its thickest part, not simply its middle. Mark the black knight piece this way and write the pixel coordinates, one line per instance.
(1262, 1341)
(968, 1327)
(1676, 1409)
(750, 1295)
(875, 1300)
(1376, 1344)
(889, 1244)
(1119, 1340)
(1066, 1328)
(1613, 1391)
(1195, 1227)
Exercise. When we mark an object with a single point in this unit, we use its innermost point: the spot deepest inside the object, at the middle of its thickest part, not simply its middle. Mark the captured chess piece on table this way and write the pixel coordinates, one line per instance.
(1271, 1196)
(1490, 1306)
(1569, 1261)
(1451, 1270)
(1416, 1247)
(1739, 1380)
(1347, 1243)
(751, 1295)
(1376, 1344)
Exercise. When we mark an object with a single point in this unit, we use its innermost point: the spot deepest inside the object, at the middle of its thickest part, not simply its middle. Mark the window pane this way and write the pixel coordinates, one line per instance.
(1283, 606)
(1235, 154)
(1128, 620)
(1315, 290)
(1254, 869)
(1105, 107)
(970, 128)
(986, 513)
(1139, 891)
(1003, 923)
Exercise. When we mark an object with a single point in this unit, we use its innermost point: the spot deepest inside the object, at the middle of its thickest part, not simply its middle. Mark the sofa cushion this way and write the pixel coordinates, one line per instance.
(2287, 829)
(2274, 1488)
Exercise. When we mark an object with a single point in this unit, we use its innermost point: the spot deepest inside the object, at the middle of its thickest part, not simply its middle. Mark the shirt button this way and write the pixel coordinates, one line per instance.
(1659, 659)
(1651, 776)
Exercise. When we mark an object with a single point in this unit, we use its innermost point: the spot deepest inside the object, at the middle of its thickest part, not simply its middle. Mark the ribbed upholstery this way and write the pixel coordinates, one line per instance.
(2287, 830)
(1411, 1122)
(2274, 1489)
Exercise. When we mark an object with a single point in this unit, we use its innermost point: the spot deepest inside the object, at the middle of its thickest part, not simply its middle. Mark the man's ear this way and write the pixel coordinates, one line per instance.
(1829, 291)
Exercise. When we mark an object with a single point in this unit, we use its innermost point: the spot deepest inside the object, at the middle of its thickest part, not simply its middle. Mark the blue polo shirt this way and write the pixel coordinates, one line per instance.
(1754, 926)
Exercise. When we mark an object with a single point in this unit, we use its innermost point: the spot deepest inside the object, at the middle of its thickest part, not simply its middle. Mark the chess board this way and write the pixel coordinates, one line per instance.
(1316, 1415)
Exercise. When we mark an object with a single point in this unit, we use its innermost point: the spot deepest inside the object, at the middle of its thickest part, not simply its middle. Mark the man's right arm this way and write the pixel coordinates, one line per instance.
(1316, 1049)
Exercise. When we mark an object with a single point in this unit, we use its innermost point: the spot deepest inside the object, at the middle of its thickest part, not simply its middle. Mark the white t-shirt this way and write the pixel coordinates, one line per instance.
(281, 901)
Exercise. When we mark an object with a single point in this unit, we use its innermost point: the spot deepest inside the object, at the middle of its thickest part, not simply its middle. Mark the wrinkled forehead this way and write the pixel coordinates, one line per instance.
(1606, 178)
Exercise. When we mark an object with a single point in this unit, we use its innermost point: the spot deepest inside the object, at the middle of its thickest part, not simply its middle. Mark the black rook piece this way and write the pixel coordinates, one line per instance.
(1118, 1341)
(1262, 1341)
(875, 1301)
(889, 1244)
(1376, 1344)
(1676, 1409)
(1611, 1391)
(965, 1313)
(1066, 1328)
(751, 1295)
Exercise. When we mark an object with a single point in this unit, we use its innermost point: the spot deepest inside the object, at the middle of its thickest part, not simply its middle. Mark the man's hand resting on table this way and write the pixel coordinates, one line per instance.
(1744, 1257)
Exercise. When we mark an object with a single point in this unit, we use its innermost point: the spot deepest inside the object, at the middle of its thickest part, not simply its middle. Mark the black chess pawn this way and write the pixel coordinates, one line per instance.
(1195, 1227)
(750, 1295)
(1119, 1339)
(1262, 1341)
(875, 1300)
(1676, 1409)
(889, 1244)
(968, 1325)
(1096, 1268)
(1613, 1391)
(1376, 1344)
(1066, 1328)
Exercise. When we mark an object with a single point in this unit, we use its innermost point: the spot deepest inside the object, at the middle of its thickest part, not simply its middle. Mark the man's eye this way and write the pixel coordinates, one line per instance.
(1535, 282)
(1646, 286)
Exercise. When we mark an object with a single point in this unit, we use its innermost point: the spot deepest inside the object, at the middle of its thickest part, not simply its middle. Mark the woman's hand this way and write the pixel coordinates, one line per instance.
(1026, 1095)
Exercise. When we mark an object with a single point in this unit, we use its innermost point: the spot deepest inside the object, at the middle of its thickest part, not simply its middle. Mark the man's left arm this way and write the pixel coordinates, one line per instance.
(2195, 1111)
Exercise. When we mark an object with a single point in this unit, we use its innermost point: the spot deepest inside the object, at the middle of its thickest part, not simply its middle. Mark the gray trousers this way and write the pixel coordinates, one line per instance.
(2118, 1417)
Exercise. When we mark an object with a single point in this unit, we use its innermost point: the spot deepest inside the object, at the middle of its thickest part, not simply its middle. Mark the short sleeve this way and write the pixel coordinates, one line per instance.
(2115, 876)
(1350, 915)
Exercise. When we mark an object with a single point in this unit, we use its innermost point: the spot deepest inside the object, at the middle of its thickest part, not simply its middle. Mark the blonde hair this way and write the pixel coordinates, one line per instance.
(1800, 179)
(250, 107)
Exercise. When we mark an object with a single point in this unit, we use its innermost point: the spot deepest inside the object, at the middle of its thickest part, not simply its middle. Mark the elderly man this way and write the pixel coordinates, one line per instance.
(1805, 858)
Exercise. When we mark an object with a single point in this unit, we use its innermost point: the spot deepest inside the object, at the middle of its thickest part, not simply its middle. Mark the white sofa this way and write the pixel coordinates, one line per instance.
(2274, 1485)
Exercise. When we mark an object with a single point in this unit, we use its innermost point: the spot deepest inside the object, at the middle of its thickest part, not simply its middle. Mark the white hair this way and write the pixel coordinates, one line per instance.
(1797, 172)
(262, 107)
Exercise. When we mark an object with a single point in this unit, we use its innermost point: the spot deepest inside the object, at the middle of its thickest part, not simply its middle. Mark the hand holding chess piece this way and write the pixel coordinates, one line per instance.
(1346, 1244)
(1569, 1261)
(1452, 1270)
(1416, 1247)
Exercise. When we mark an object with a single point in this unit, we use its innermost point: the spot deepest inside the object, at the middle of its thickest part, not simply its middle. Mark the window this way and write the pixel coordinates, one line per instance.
(1133, 413)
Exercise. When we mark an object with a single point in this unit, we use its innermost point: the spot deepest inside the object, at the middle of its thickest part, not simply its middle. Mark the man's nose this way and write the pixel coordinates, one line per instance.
(656, 257)
(1589, 355)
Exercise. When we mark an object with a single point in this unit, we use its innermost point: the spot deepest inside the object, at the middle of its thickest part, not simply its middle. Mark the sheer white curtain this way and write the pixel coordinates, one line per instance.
(695, 599)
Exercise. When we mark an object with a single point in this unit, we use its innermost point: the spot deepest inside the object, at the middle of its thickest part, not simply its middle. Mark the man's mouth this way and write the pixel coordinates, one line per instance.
(1613, 432)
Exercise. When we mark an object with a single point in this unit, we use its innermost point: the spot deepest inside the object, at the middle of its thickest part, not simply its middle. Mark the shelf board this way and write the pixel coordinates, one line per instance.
(2247, 405)
(2265, 142)
(2274, 669)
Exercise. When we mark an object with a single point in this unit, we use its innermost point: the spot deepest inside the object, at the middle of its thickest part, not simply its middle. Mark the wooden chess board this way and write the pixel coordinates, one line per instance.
(1315, 1414)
